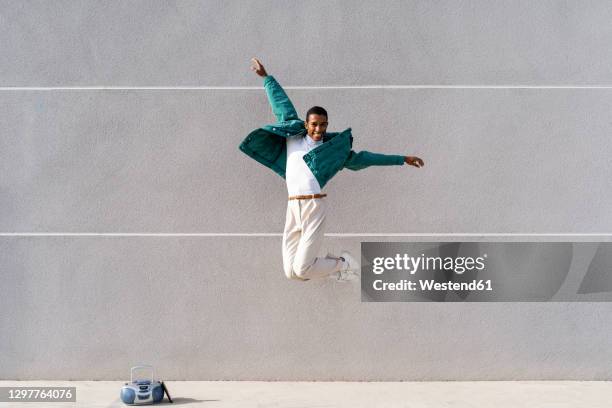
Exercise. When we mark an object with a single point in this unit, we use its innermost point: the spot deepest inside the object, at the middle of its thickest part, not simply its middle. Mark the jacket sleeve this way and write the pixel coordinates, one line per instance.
(363, 159)
(281, 105)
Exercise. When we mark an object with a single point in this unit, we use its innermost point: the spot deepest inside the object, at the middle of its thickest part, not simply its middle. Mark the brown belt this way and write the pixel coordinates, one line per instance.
(305, 197)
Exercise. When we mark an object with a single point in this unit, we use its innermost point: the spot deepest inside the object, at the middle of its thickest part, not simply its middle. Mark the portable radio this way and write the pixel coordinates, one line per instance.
(143, 391)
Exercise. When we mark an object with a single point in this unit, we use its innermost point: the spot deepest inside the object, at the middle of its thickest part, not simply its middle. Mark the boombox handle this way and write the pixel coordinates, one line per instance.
(139, 367)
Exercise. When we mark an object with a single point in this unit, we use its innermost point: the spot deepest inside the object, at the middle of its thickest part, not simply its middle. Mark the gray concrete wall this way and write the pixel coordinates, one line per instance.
(498, 160)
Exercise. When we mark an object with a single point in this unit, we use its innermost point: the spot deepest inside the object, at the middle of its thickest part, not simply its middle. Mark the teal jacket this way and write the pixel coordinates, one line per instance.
(268, 144)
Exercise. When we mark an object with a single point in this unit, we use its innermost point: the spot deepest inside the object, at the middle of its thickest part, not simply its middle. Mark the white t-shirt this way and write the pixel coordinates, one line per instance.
(300, 179)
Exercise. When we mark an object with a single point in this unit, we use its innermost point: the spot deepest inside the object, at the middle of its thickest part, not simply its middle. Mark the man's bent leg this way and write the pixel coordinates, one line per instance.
(307, 264)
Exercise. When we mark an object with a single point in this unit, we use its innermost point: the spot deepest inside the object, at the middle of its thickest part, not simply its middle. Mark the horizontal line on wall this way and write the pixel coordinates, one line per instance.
(249, 88)
(274, 234)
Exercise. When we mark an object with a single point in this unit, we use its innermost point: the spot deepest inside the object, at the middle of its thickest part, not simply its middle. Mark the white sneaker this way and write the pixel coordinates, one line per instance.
(350, 271)
(353, 263)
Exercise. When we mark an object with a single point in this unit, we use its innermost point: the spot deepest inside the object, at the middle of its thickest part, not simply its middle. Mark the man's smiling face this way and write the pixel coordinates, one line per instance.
(316, 125)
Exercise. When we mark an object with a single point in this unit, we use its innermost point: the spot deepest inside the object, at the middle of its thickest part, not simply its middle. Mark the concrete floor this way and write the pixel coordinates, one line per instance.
(217, 394)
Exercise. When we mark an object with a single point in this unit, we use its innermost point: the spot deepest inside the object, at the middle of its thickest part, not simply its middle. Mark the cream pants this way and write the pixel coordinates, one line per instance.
(303, 238)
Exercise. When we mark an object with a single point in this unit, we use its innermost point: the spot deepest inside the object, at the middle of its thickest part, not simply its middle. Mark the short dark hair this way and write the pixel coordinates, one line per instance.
(317, 110)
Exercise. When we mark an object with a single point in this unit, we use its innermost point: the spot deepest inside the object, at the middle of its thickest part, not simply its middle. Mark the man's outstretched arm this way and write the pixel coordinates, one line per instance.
(363, 159)
(281, 105)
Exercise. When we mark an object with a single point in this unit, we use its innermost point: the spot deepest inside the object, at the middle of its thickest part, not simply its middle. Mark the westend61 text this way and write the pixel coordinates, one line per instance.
(430, 284)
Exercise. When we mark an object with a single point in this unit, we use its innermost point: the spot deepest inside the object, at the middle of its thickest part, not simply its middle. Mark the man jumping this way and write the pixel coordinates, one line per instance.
(307, 157)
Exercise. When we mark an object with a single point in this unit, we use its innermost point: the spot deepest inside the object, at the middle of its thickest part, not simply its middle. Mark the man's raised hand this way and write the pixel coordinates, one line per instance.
(258, 68)
(414, 161)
